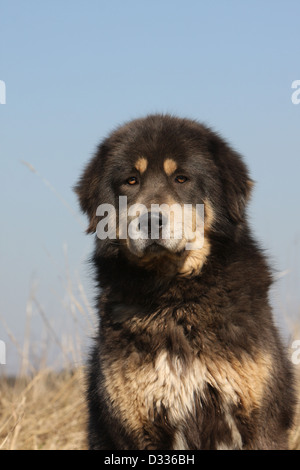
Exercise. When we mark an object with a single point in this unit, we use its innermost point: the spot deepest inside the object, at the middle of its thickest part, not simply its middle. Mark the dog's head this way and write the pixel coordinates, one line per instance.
(158, 187)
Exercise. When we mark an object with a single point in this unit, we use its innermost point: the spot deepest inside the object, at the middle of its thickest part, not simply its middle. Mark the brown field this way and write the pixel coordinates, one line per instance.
(49, 412)
(42, 409)
(45, 412)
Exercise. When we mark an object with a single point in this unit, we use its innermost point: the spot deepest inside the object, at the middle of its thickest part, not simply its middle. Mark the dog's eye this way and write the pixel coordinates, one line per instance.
(181, 179)
(132, 180)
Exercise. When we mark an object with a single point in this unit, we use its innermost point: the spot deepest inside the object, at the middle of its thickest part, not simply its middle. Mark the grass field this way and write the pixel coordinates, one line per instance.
(43, 407)
(44, 412)
(48, 412)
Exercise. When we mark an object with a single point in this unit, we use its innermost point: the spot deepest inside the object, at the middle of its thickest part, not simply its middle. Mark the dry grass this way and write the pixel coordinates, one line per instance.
(48, 412)
(44, 407)
(45, 412)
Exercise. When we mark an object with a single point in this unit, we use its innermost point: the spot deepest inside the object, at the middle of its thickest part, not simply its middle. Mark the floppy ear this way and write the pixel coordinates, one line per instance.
(234, 177)
(88, 189)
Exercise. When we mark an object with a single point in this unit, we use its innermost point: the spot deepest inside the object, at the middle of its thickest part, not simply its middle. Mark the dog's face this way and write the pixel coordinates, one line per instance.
(158, 187)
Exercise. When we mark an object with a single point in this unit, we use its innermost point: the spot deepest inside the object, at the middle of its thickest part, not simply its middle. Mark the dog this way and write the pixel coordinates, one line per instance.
(186, 355)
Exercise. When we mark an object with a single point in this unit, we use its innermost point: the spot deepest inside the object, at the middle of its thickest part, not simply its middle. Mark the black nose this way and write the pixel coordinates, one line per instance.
(151, 223)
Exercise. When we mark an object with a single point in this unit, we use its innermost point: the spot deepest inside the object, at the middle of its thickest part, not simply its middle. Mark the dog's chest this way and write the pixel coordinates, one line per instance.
(171, 388)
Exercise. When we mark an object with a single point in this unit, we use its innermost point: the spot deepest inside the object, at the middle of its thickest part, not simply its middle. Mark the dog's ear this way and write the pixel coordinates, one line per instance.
(234, 177)
(88, 188)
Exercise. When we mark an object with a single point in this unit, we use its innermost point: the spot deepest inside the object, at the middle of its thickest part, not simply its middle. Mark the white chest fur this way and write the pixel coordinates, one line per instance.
(166, 385)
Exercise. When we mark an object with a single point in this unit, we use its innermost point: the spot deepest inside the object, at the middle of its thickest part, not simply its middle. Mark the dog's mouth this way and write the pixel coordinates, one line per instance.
(147, 248)
(165, 239)
(158, 243)
(155, 248)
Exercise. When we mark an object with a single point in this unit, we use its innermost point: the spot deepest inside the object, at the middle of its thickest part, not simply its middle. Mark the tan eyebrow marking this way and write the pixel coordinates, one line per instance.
(170, 166)
(141, 165)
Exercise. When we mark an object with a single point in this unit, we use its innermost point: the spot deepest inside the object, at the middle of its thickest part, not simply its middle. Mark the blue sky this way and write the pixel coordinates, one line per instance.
(76, 69)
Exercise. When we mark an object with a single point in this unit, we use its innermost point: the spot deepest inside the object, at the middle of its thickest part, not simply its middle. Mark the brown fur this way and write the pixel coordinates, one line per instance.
(170, 166)
(141, 165)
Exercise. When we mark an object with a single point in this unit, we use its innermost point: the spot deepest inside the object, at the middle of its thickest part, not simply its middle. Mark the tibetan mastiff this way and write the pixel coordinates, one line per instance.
(186, 355)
